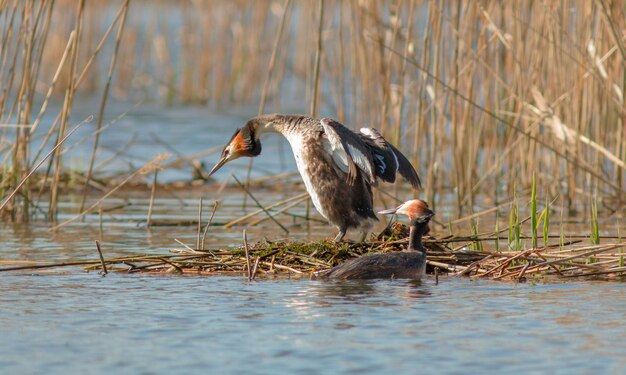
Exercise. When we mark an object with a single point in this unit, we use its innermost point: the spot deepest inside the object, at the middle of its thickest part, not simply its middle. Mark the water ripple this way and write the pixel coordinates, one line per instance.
(147, 324)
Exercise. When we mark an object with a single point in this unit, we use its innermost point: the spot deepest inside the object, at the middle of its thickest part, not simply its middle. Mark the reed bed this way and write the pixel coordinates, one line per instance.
(482, 95)
(29, 77)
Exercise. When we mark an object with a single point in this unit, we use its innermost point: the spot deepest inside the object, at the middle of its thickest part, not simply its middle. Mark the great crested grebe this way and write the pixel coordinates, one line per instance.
(338, 166)
(409, 263)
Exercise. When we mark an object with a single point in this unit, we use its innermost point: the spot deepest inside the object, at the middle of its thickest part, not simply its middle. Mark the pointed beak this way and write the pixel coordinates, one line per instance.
(425, 217)
(391, 211)
(219, 165)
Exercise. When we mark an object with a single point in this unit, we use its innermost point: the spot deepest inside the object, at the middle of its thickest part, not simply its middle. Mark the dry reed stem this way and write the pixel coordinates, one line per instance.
(571, 159)
(208, 224)
(55, 161)
(100, 223)
(44, 106)
(260, 205)
(103, 102)
(318, 57)
(198, 239)
(543, 264)
(255, 268)
(272, 62)
(189, 248)
(308, 219)
(617, 39)
(102, 262)
(254, 213)
(152, 196)
(245, 245)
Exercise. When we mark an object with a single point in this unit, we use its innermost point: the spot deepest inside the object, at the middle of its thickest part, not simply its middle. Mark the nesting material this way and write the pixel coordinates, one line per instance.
(301, 259)
(451, 255)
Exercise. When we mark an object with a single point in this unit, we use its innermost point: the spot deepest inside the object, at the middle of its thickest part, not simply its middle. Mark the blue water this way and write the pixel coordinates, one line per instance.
(135, 132)
(145, 324)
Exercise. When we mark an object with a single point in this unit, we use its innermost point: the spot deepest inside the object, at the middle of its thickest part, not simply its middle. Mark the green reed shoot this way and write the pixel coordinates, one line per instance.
(545, 217)
(533, 212)
(514, 237)
(595, 236)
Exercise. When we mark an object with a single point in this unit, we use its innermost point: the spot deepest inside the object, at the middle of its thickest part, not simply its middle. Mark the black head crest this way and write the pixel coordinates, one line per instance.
(251, 145)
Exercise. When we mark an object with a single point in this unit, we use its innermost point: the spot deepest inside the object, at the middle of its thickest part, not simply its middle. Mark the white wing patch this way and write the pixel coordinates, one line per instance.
(345, 159)
(361, 160)
(368, 132)
(338, 155)
(334, 148)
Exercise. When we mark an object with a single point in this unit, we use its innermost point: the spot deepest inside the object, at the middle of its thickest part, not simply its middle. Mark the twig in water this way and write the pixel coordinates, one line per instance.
(522, 272)
(245, 246)
(152, 195)
(254, 269)
(50, 265)
(206, 228)
(199, 224)
(104, 266)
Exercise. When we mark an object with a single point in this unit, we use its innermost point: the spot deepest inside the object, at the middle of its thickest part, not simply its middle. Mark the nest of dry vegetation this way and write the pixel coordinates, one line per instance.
(452, 255)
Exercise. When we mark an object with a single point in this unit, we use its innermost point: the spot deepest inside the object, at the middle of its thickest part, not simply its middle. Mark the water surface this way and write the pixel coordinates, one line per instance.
(140, 324)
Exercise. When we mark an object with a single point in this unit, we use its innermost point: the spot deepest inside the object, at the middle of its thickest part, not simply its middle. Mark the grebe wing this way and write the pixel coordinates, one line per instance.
(348, 150)
(388, 159)
(385, 160)
(405, 168)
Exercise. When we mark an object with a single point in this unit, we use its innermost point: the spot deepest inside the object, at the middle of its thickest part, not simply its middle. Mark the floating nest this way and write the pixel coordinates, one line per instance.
(454, 255)
(301, 259)
(284, 258)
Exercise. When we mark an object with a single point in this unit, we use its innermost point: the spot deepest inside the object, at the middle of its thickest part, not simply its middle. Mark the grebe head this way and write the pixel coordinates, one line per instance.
(245, 141)
(416, 210)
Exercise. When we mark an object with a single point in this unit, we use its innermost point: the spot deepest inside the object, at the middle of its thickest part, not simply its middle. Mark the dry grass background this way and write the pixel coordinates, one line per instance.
(481, 95)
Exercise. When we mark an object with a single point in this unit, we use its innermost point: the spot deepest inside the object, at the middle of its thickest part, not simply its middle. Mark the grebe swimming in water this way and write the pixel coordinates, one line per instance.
(409, 263)
(338, 166)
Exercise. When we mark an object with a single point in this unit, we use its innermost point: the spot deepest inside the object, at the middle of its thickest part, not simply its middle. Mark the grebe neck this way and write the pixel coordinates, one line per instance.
(415, 238)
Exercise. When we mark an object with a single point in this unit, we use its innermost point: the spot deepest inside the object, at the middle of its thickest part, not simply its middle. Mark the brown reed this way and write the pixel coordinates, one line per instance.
(480, 95)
